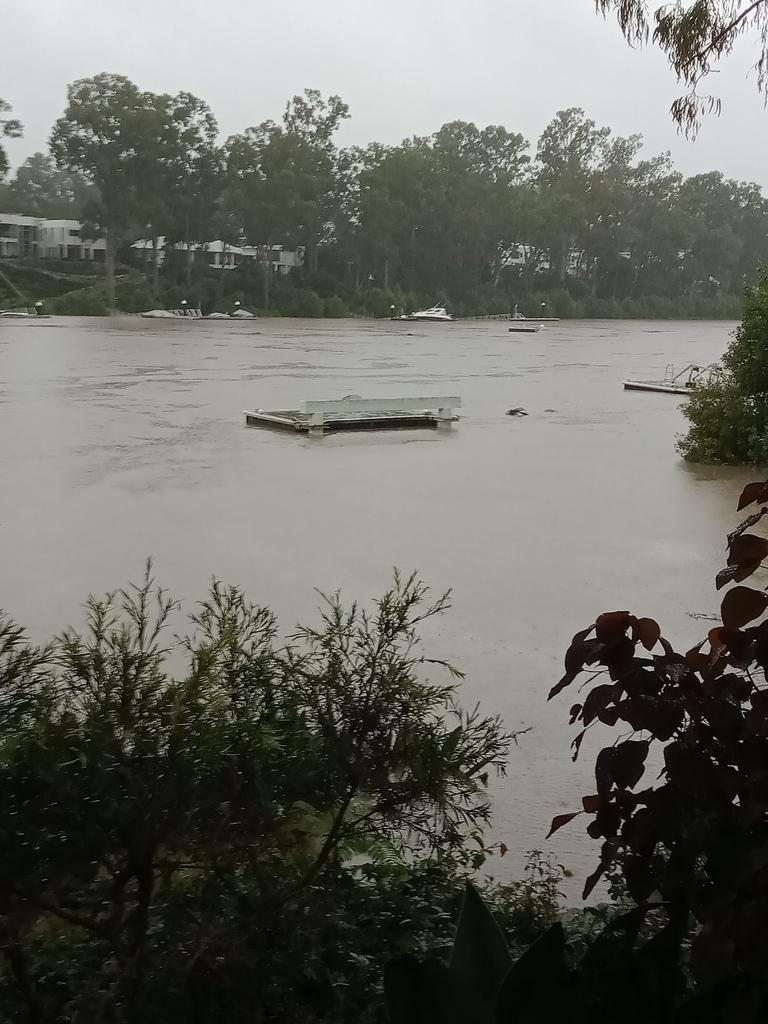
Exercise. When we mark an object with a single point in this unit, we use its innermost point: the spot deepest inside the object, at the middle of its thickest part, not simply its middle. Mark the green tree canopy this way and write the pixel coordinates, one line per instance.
(10, 128)
(107, 134)
(39, 189)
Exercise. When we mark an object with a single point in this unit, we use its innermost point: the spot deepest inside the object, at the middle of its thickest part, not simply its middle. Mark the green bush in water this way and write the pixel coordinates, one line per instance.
(335, 308)
(306, 303)
(729, 417)
(83, 302)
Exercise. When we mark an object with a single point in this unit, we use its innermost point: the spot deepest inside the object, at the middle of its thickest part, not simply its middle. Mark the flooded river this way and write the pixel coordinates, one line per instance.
(123, 439)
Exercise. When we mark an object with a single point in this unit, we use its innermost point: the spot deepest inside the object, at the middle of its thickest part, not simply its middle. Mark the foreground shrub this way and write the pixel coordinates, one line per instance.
(241, 840)
(692, 839)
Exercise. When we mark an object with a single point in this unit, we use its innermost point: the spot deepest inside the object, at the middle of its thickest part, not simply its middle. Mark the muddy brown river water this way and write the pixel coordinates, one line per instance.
(120, 439)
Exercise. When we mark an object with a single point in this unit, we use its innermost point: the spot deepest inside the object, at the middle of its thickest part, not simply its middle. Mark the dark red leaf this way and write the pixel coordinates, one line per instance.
(694, 658)
(619, 657)
(604, 769)
(745, 525)
(593, 879)
(756, 491)
(745, 570)
(576, 745)
(592, 804)
(629, 762)
(716, 642)
(747, 547)
(740, 644)
(565, 681)
(592, 651)
(669, 651)
(741, 605)
(561, 819)
(761, 646)
(759, 702)
(726, 576)
(607, 822)
(609, 716)
(725, 719)
(574, 656)
(611, 625)
(659, 716)
(648, 632)
(737, 688)
(582, 635)
(597, 700)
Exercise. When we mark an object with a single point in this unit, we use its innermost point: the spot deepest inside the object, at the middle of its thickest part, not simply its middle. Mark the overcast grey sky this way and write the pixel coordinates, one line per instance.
(404, 66)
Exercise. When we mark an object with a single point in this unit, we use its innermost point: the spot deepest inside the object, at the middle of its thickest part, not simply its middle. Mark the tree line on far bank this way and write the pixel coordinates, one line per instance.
(472, 216)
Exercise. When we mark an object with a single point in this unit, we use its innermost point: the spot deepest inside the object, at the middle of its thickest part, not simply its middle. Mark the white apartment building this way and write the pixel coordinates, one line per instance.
(19, 236)
(38, 238)
(62, 239)
(226, 257)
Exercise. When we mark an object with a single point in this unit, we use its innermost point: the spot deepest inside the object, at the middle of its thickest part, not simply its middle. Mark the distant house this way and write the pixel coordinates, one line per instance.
(62, 239)
(19, 236)
(38, 238)
(221, 256)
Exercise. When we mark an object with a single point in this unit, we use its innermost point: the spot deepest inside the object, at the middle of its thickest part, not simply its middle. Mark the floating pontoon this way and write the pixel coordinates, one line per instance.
(355, 414)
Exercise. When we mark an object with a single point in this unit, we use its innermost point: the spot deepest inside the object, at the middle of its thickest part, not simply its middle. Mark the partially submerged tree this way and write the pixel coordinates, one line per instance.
(695, 35)
(106, 134)
(729, 416)
(283, 180)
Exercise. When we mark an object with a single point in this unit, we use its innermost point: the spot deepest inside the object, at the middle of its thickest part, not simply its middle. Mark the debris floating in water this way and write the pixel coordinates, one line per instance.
(519, 411)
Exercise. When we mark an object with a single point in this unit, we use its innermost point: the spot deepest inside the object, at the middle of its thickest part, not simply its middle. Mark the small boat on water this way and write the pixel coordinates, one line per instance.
(186, 312)
(435, 314)
(30, 313)
(239, 314)
(525, 328)
(183, 313)
(683, 383)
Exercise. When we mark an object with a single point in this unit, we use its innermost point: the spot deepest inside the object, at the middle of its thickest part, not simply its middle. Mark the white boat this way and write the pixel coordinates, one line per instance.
(238, 313)
(189, 313)
(683, 383)
(184, 313)
(525, 328)
(22, 314)
(435, 314)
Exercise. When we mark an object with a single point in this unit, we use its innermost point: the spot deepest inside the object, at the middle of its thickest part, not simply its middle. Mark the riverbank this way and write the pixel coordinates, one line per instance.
(81, 291)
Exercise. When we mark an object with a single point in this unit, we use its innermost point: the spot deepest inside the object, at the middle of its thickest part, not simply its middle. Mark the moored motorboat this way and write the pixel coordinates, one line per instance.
(30, 313)
(435, 314)
(185, 313)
